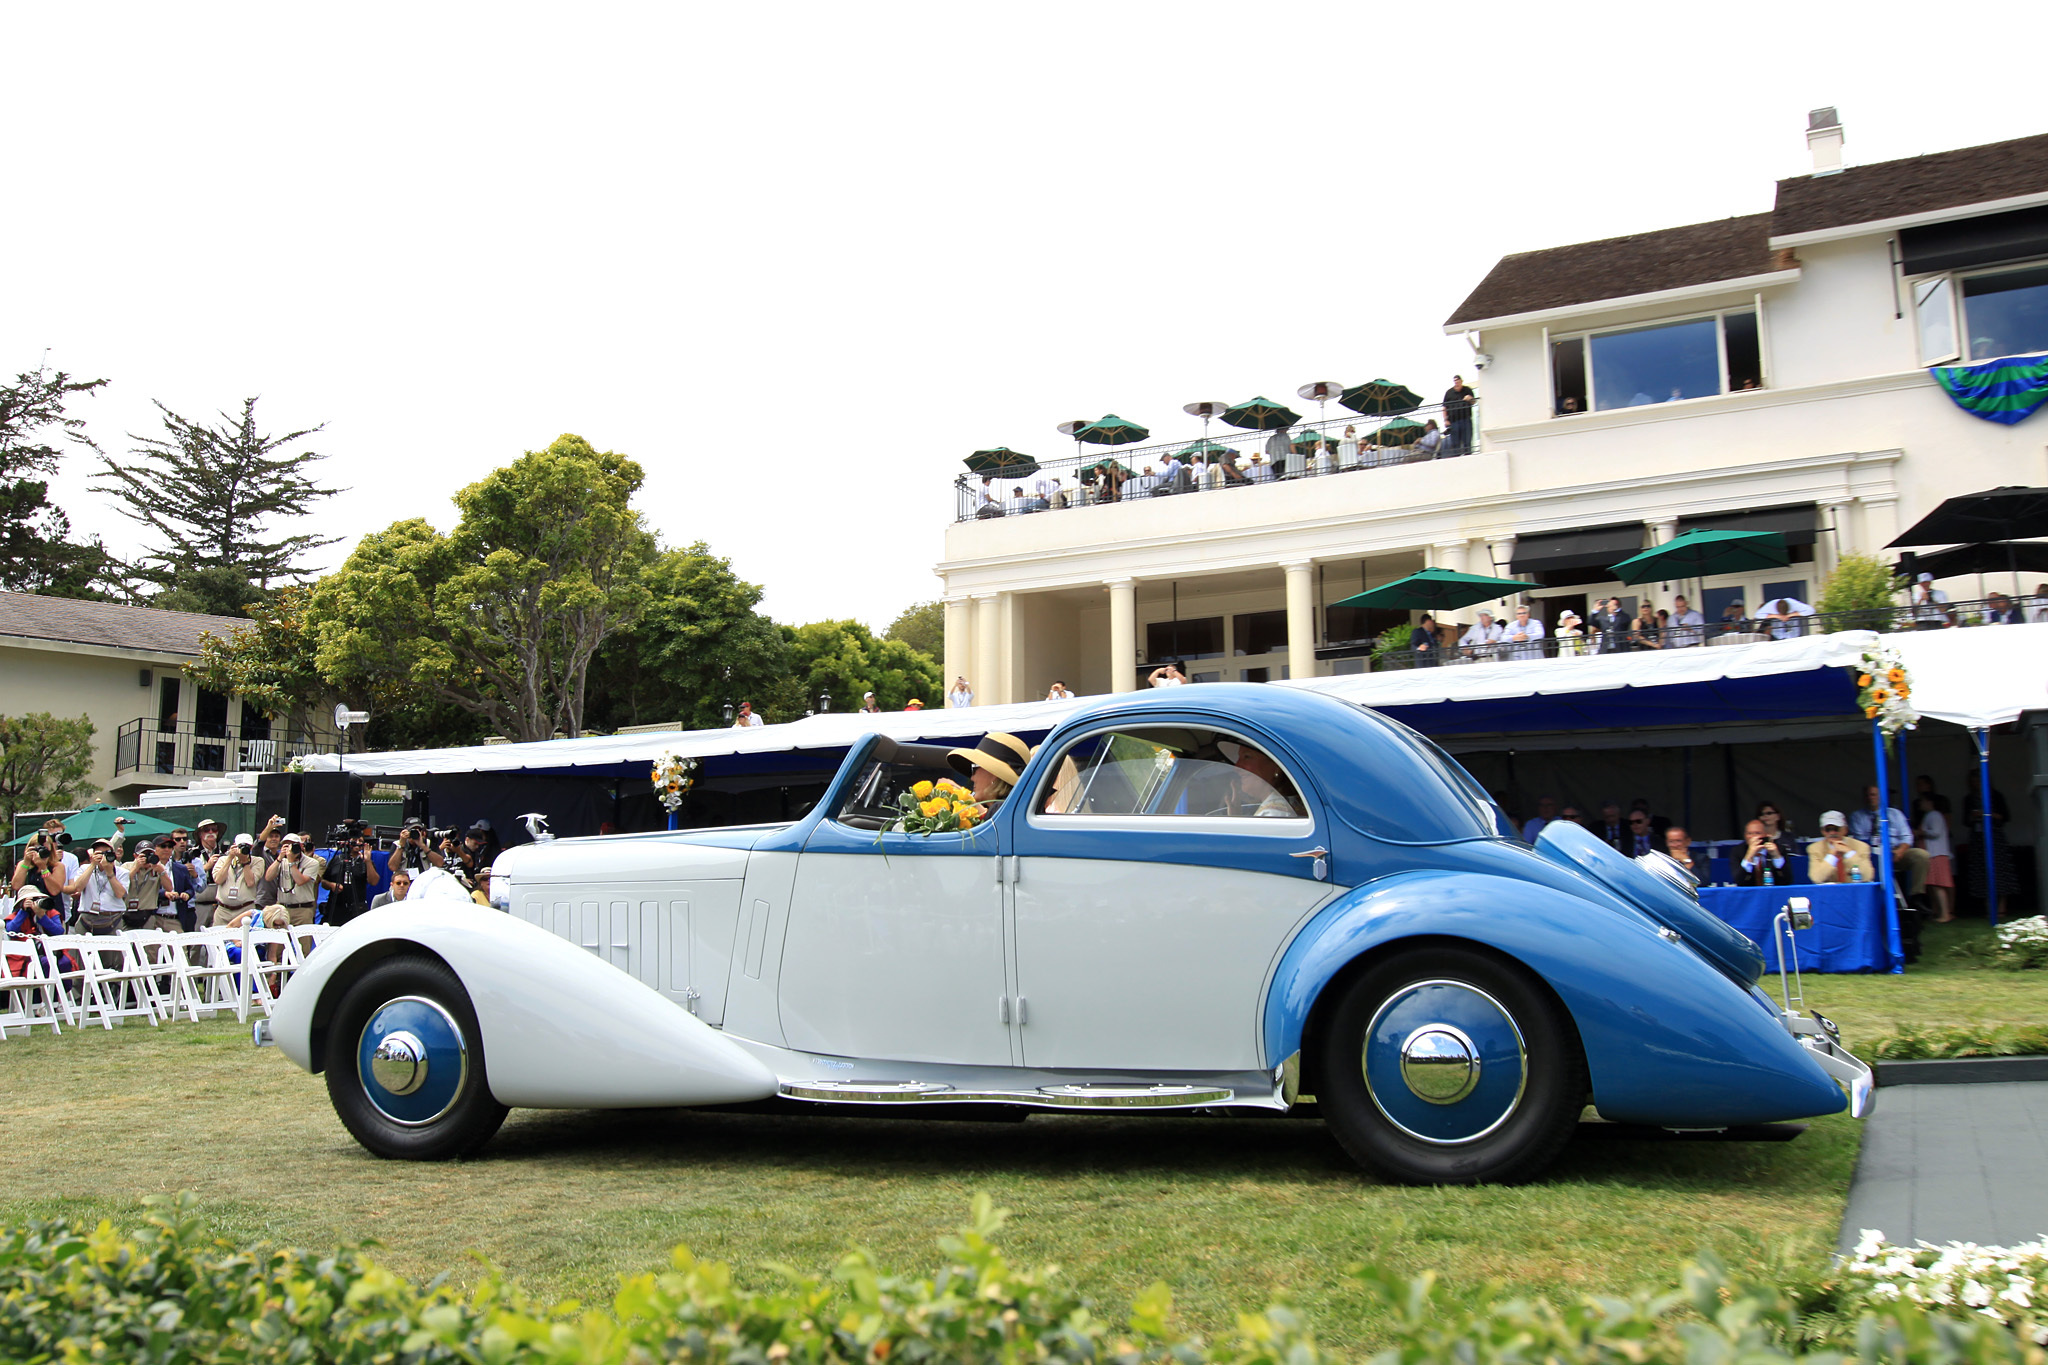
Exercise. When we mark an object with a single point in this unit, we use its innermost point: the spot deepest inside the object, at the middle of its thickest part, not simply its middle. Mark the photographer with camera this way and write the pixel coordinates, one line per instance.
(238, 879)
(1763, 859)
(351, 876)
(418, 848)
(159, 888)
(101, 894)
(46, 866)
(297, 876)
(479, 849)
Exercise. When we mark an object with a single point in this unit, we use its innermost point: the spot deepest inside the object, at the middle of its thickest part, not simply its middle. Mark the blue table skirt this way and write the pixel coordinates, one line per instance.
(1850, 930)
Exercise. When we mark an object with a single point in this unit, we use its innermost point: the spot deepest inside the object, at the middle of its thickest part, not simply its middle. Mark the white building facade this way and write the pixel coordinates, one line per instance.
(1766, 372)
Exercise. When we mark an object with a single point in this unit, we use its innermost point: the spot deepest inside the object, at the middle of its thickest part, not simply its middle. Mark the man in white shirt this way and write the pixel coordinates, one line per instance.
(1930, 605)
(1784, 614)
(99, 891)
(1166, 675)
(961, 695)
(1477, 639)
(1688, 627)
(1059, 692)
(746, 720)
(1523, 635)
(1258, 471)
(1546, 811)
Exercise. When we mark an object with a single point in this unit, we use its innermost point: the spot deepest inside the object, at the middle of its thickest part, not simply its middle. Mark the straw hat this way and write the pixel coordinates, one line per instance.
(1003, 756)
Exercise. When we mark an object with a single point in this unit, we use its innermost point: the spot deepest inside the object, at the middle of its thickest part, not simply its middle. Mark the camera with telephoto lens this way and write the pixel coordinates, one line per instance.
(347, 832)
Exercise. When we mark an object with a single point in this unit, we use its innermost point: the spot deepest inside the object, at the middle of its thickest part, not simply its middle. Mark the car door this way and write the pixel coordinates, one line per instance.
(1150, 897)
(894, 948)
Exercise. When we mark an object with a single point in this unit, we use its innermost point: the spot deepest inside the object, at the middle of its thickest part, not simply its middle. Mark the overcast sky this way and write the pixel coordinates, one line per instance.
(800, 259)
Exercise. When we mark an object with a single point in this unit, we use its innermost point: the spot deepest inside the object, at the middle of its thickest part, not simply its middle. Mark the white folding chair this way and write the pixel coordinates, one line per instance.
(158, 953)
(307, 937)
(27, 994)
(209, 980)
(111, 979)
(262, 978)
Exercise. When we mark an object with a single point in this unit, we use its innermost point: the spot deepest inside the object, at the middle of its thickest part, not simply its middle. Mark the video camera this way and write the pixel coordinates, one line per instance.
(347, 832)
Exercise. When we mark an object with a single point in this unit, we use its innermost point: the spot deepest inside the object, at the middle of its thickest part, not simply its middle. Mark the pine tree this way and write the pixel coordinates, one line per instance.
(37, 553)
(219, 497)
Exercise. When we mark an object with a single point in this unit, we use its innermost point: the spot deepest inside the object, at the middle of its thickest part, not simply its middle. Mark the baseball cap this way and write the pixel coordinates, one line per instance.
(480, 827)
(867, 696)
(1926, 578)
(245, 841)
(1832, 817)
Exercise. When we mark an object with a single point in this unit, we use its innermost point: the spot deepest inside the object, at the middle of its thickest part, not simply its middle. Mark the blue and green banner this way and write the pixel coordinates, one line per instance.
(2005, 391)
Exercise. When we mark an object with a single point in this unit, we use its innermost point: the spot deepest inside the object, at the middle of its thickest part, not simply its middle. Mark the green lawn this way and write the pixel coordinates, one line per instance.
(1227, 1211)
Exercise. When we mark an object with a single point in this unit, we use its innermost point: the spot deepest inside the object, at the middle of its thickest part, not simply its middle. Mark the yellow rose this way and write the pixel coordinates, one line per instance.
(965, 815)
(932, 808)
(921, 790)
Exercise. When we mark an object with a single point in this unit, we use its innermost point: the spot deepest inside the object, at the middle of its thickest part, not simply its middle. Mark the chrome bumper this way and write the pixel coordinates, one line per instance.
(1822, 1041)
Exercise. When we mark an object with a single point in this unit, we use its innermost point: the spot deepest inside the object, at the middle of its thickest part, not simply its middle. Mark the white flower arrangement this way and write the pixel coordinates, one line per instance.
(673, 777)
(2023, 943)
(2001, 1283)
(1885, 690)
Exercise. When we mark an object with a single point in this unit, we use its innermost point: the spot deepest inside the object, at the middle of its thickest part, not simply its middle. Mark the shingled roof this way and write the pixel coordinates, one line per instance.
(1916, 184)
(32, 616)
(1619, 267)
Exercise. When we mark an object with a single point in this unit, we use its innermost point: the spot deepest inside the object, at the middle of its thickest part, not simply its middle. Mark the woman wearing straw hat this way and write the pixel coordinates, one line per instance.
(993, 766)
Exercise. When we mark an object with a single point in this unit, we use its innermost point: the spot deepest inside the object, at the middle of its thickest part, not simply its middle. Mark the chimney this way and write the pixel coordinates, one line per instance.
(1824, 140)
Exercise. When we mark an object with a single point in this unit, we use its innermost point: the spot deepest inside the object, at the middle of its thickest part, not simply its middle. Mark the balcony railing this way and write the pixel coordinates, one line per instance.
(1079, 481)
(1945, 616)
(193, 749)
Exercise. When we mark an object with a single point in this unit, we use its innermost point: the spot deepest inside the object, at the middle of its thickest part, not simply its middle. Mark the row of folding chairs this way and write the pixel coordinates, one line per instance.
(84, 979)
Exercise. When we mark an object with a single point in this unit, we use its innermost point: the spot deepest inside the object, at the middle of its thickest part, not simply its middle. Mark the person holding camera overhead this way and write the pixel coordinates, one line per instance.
(238, 880)
(350, 875)
(296, 874)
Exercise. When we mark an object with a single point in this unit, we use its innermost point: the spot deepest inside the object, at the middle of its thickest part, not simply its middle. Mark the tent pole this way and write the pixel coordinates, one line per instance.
(1905, 781)
(1883, 821)
(1982, 739)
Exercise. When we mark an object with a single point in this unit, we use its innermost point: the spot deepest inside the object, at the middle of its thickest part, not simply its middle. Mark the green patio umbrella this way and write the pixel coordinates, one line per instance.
(1206, 450)
(1435, 590)
(1111, 430)
(1309, 440)
(1380, 397)
(1697, 554)
(1002, 462)
(1399, 432)
(97, 822)
(1261, 414)
(1100, 465)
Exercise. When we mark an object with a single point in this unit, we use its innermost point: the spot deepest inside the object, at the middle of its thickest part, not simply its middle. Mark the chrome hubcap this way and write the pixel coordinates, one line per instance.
(399, 1063)
(412, 1060)
(1440, 1064)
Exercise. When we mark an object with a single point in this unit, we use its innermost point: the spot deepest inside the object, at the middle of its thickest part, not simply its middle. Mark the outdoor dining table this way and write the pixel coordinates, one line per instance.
(1850, 932)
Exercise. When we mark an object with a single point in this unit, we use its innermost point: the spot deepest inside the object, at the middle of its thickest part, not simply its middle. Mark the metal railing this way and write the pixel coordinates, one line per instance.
(192, 749)
(1734, 631)
(1078, 481)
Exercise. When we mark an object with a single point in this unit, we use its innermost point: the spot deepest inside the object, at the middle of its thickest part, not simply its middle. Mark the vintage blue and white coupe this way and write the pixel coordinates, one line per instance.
(1200, 899)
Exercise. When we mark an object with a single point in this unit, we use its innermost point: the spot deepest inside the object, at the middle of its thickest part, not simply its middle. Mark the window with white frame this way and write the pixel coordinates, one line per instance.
(1662, 362)
(1983, 315)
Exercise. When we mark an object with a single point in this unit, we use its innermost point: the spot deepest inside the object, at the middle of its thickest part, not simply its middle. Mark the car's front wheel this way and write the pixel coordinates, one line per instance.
(405, 1063)
(1445, 1065)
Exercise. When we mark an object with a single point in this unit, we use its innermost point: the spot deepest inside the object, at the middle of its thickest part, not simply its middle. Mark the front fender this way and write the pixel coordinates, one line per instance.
(562, 1029)
(1669, 1040)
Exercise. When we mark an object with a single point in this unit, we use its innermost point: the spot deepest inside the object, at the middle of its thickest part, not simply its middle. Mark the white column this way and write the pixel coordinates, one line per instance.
(959, 643)
(988, 647)
(1123, 634)
(1880, 523)
(1448, 554)
(1011, 687)
(1662, 529)
(1835, 543)
(1301, 619)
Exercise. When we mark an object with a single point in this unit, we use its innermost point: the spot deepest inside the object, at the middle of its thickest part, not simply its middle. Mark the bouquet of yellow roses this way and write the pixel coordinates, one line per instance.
(939, 807)
(1884, 690)
(673, 777)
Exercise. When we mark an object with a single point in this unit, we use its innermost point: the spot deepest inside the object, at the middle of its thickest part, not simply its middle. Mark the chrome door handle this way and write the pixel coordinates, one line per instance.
(1321, 868)
(1311, 853)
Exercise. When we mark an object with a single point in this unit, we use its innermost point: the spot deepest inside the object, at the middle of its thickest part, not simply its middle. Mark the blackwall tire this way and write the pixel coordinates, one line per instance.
(1449, 1066)
(405, 1064)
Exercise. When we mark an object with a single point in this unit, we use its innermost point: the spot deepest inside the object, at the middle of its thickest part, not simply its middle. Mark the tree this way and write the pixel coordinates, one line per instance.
(216, 496)
(44, 762)
(843, 659)
(37, 553)
(500, 618)
(1859, 594)
(700, 644)
(215, 591)
(922, 627)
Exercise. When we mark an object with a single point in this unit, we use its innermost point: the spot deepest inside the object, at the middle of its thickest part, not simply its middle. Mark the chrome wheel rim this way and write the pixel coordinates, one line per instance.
(1444, 1062)
(412, 1060)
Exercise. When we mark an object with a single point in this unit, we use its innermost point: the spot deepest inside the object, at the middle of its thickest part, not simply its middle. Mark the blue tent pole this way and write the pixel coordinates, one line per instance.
(674, 818)
(1883, 822)
(1982, 738)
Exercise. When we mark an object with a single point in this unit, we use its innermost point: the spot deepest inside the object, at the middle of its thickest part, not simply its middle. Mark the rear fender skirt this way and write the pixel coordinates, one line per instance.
(562, 1029)
(1669, 1040)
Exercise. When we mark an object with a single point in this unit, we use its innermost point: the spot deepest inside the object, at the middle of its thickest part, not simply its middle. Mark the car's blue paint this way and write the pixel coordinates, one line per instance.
(1497, 1042)
(828, 836)
(1669, 1039)
(1719, 941)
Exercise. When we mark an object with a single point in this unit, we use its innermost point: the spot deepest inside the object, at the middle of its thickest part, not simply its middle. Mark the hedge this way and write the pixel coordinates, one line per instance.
(167, 1295)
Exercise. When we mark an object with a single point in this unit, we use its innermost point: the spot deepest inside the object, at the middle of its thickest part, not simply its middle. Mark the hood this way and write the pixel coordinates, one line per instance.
(669, 855)
(1664, 901)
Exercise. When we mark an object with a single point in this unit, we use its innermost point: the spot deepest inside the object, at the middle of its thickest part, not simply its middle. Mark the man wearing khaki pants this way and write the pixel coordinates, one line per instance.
(299, 879)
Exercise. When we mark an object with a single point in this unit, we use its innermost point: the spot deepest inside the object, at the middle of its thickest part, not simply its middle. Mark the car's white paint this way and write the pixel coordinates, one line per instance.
(562, 1028)
(750, 1004)
(1156, 966)
(898, 957)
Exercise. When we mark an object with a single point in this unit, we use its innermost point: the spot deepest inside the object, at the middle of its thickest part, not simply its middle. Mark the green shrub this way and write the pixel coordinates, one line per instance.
(167, 1296)
(1859, 594)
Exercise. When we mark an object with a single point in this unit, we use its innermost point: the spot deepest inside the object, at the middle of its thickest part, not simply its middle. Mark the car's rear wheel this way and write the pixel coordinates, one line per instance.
(1446, 1065)
(405, 1063)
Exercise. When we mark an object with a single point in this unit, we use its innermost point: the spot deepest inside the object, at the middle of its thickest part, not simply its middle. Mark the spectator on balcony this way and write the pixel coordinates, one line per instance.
(1646, 633)
(2003, 612)
(1034, 503)
(1458, 400)
(1280, 454)
(986, 503)
(1167, 674)
(1688, 627)
(1610, 624)
(2037, 605)
(1055, 495)
(1423, 642)
(1787, 616)
(1227, 471)
(1479, 640)
(1733, 622)
(1430, 443)
(1523, 635)
(1059, 691)
(1261, 472)
(746, 719)
(1570, 633)
(1347, 449)
(960, 695)
(1930, 605)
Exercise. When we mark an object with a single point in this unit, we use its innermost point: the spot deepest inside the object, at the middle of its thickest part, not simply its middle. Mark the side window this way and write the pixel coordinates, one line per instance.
(1169, 771)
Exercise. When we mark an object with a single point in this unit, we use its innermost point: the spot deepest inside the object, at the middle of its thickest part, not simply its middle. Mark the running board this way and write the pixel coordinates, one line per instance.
(1045, 1097)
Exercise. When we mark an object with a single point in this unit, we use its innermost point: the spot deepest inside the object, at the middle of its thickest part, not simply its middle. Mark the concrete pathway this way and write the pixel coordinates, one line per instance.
(1953, 1163)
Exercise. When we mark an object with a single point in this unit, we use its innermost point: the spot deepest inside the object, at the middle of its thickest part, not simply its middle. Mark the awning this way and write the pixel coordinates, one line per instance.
(1800, 525)
(1979, 677)
(1994, 238)
(1589, 548)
